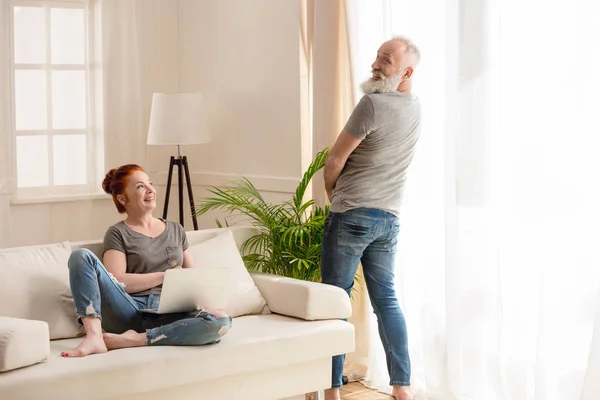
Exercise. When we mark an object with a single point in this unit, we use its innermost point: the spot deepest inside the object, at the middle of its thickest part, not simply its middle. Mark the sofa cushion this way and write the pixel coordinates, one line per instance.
(34, 284)
(254, 343)
(244, 298)
(23, 342)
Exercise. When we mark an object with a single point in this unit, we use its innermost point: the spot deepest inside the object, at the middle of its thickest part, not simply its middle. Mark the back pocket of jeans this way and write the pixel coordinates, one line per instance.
(354, 237)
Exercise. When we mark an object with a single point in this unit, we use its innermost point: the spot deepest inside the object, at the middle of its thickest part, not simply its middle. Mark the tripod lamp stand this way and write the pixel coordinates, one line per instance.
(177, 119)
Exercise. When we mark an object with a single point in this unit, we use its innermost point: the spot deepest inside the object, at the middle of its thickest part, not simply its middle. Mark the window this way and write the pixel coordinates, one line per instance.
(54, 134)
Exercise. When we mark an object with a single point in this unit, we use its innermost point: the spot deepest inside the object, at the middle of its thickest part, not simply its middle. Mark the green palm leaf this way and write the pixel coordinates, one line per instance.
(289, 241)
(316, 165)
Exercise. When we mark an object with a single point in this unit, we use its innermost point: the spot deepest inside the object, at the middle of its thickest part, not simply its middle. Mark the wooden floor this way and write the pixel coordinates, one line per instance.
(357, 391)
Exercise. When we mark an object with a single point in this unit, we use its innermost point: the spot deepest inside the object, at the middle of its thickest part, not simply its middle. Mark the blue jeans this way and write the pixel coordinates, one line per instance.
(97, 294)
(368, 236)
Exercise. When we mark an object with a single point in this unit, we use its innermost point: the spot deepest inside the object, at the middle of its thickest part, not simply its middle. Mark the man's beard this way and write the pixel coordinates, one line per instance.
(383, 85)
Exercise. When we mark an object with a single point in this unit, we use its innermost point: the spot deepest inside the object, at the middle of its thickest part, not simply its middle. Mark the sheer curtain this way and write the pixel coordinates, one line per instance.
(5, 143)
(497, 271)
(328, 102)
(122, 80)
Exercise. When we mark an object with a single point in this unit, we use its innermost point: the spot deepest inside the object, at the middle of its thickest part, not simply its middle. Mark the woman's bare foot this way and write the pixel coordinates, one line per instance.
(402, 393)
(127, 339)
(332, 394)
(92, 344)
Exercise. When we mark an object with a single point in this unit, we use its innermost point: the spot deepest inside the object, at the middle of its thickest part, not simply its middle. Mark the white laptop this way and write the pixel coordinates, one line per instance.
(190, 289)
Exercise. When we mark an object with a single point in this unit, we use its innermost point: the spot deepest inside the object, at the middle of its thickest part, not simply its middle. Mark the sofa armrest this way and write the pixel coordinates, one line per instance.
(23, 342)
(302, 299)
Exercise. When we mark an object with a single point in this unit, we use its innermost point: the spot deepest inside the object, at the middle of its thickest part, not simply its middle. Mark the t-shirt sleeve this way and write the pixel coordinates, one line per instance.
(113, 240)
(362, 120)
(184, 239)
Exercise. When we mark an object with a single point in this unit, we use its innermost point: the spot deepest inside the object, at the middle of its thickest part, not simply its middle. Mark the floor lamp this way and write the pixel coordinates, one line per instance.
(177, 119)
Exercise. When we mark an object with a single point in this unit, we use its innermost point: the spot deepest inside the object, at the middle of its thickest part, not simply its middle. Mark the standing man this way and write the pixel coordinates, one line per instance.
(365, 174)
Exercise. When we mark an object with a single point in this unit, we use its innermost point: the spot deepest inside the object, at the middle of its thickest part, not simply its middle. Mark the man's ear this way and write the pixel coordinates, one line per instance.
(408, 72)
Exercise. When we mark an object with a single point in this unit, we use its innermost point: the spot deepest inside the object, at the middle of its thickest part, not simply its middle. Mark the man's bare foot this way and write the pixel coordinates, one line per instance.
(402, 393)
(127, 339)
(92, 344)
(332, 394)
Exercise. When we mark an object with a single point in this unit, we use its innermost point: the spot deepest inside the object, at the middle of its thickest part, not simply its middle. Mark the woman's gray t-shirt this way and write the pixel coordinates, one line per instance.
(145, 254)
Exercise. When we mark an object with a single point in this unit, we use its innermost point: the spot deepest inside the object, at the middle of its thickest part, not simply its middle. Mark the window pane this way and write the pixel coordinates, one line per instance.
(30, 35)
(30, 99)
(70, 160)
(32, 161)
(68, 100)
(67, 36)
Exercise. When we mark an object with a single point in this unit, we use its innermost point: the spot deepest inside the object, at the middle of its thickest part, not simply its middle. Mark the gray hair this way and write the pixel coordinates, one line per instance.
(411, 48)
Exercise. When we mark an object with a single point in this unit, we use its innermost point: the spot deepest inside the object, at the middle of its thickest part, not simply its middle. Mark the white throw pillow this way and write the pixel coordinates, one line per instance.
(243, 297)
(23, 343)
(34, 284)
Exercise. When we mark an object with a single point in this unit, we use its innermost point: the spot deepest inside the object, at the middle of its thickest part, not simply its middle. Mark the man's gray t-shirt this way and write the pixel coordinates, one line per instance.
(388, 125)
(145, 254)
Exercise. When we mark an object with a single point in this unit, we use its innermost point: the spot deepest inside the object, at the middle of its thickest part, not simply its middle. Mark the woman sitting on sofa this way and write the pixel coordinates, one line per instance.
(137, 251)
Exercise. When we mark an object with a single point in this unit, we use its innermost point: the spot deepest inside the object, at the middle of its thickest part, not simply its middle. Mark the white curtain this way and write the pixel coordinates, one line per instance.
(591, 386)
(497, 269)
(5, 118)
(331, 81)
(329, 101)
(123, 105)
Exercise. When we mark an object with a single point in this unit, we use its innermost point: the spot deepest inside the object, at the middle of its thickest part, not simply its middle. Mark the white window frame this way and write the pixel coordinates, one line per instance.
(93, 131)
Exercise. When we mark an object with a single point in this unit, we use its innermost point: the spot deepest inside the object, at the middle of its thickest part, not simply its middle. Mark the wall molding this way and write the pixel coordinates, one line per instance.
(272, 184)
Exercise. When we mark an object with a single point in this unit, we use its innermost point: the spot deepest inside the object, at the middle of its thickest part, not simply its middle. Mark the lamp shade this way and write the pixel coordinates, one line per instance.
(177, 119)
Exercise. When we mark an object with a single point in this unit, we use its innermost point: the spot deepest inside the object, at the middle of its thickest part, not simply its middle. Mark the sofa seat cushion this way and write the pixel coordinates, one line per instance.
(255, 342)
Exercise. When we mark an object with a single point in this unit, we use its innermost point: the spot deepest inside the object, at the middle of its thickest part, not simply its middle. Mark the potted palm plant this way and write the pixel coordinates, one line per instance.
(289, 241)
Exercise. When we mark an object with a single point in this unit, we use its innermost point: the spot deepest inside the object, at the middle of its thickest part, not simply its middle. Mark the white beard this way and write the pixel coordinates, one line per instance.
(383, 85)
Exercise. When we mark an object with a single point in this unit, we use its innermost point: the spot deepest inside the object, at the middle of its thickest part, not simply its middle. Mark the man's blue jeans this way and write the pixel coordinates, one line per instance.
(97, 294)
(368, 236)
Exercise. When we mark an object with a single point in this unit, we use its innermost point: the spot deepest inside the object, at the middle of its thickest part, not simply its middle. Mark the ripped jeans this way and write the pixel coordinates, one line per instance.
(97, 294)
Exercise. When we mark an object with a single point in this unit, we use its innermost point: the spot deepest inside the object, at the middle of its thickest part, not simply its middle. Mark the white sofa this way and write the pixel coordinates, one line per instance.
(280, 353)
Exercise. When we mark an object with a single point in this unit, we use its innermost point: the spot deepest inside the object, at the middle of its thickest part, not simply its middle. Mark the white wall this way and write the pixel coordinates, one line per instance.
(244, 57)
